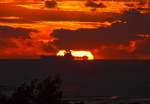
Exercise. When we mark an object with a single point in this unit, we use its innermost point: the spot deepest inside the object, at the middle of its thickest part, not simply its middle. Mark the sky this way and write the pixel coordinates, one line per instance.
(110, 29)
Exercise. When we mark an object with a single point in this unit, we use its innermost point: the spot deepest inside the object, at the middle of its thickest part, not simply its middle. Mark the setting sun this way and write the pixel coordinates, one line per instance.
(79, 55)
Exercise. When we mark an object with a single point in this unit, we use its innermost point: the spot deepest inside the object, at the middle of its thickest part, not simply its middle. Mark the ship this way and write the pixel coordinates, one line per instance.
(67, 56)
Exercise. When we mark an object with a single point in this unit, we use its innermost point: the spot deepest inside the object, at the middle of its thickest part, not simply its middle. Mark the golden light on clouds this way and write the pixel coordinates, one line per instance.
(75, 5)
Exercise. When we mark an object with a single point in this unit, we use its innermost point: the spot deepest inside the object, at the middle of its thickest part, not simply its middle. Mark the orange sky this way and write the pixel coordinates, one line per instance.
(26, 27)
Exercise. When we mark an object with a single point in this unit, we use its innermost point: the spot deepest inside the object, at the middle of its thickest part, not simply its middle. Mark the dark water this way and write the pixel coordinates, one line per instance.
(83, 78)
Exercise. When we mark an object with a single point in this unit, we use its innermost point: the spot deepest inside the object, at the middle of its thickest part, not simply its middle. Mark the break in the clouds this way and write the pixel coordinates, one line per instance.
(123, 35)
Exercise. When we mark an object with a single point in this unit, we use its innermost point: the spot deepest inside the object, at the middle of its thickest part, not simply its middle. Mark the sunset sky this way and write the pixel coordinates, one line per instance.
(110, 29)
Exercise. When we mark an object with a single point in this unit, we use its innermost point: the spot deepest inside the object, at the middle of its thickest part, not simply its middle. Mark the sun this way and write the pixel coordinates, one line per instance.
(78, 54)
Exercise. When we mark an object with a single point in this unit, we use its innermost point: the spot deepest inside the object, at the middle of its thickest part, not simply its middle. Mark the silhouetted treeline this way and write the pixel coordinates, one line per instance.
(47, 91)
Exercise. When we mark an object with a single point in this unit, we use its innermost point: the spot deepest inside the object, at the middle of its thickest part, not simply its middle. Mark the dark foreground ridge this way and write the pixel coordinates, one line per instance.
(129, 78)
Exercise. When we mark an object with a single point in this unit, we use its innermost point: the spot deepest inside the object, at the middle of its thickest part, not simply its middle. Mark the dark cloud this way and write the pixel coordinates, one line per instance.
(116, 52)
(18, 42)
(143, 47)
(137, 23)
(129, 5)
(10, 32)
(92, 38)
(94, 4)
(120, 34)
(49, 48)
(133, 23)
(50, 3)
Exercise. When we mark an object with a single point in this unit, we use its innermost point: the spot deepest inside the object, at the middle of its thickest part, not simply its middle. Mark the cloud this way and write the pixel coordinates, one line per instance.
(20, 42)
(10, 32)
(133, 23)
(6, 43)
(15, 20)
(29, 15)
(93, 4)
(119, 35)
(50, 3)
(137, 23)
(116, 52)
(143, 47)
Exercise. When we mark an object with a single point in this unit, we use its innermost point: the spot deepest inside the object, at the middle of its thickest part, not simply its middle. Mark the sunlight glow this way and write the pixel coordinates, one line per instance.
(78, 54)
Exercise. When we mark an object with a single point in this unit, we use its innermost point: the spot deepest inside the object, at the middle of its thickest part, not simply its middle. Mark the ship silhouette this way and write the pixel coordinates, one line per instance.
(67, 56)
